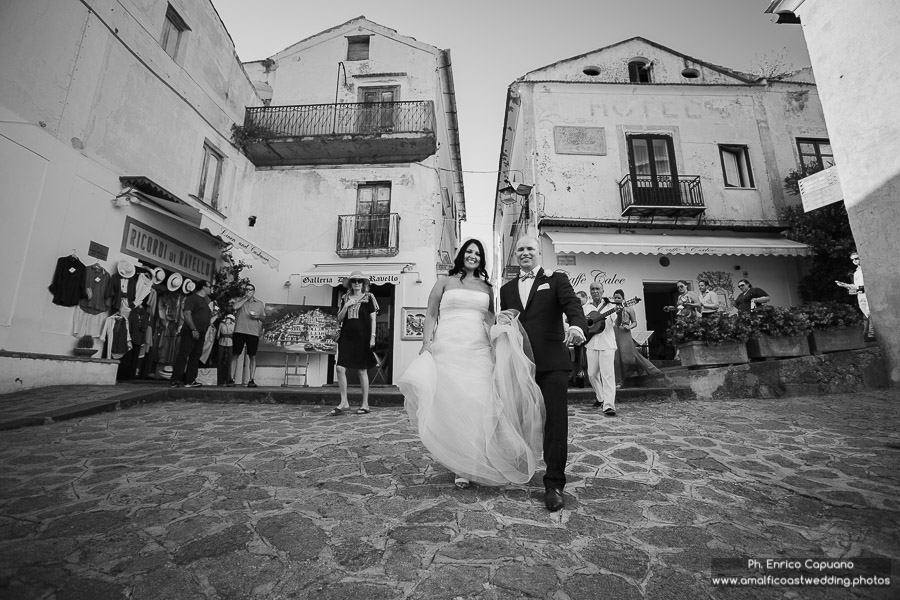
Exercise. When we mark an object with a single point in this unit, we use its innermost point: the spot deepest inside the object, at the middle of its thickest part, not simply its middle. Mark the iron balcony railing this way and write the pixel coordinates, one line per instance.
(661, 190)
(270, 122)
(368, 235)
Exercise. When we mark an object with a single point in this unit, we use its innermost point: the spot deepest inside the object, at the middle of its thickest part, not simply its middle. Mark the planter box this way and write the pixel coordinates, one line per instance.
(782, 346)
(701, 354)
(835, 340)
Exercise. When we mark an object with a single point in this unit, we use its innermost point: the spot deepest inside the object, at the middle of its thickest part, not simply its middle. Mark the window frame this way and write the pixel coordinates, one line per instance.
(817, 152)
(173, 22)
(645, 66)
(741, 153)
(210, 151)
(370, 230)
(355, 45)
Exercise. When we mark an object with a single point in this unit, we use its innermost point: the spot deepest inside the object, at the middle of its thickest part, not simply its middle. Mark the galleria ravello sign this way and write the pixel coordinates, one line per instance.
(335, 279)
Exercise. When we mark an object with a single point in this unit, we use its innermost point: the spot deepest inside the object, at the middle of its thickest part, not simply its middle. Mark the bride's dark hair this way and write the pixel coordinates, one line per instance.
(460, 260)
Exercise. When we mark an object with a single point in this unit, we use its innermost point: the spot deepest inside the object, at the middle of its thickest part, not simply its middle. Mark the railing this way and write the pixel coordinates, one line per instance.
(368, 235)
(662, 191)
(268, 122)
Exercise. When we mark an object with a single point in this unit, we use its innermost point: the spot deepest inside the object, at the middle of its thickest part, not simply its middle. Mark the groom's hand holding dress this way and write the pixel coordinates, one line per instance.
(542, 299)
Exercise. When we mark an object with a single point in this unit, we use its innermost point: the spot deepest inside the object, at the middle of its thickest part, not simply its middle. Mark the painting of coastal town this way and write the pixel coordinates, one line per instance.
(299, 328)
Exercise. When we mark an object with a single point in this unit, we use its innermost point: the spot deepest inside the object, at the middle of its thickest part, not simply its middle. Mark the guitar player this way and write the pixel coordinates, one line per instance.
(601, 349)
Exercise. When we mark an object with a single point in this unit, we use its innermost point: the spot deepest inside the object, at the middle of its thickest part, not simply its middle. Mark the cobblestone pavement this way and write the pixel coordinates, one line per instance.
(184, 500)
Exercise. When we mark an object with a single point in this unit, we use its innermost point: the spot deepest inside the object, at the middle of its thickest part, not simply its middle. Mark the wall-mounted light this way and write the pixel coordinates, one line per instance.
(408, 268)
(512, 193)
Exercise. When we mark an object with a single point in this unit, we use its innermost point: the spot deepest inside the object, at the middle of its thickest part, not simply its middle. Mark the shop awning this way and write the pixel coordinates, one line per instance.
(320, 276)
(180, 210)
(623, 243)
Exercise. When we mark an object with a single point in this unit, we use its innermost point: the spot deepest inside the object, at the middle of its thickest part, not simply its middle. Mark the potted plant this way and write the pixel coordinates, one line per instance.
(835, 326)
(777, 332)
(84, 347)
(710, 341)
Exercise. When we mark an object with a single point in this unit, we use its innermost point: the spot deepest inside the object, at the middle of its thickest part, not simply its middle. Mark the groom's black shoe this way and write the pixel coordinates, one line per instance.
(553, 499)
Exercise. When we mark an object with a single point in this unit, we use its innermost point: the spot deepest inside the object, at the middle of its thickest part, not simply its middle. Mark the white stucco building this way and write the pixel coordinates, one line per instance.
(853, 48)
(134, 134)
(639, 166)
(357, 168)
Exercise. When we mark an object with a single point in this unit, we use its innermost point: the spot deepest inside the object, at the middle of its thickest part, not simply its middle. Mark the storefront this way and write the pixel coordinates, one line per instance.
(646, 267)
(384, 281)
(171, 245)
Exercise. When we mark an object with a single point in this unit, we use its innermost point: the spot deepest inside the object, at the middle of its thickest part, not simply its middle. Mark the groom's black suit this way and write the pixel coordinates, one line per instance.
(551, 297)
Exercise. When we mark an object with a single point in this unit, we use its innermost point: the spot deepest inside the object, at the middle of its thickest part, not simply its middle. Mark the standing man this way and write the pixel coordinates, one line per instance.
(249, 313)
(542, 299)
(708, 301)
(601, 349)
(859, 289)
(197, 316)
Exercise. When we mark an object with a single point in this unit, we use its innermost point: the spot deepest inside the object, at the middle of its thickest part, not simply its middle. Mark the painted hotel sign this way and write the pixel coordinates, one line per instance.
(159, 249)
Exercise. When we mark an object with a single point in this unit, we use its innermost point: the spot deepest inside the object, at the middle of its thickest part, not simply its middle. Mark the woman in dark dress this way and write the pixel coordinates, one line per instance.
(356, 314)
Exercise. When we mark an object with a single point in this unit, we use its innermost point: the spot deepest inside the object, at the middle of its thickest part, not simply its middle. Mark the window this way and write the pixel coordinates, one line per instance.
(210, 176)
(373, 215)
(654, 176)
(639, 70)
(358, 47)
(173, 32)
(736, 166)
(378, 108)
(815, 153)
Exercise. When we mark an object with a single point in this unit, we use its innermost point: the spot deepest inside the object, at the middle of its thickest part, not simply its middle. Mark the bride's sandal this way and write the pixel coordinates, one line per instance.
(461, 483)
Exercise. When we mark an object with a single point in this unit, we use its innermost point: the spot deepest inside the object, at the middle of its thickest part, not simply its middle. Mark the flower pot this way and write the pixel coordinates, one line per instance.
(85, 352)
(777, 346)
(701, 354)
(835, 340)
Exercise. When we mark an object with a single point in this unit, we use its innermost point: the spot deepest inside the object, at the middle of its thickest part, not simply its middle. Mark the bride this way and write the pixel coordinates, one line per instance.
(471, 392)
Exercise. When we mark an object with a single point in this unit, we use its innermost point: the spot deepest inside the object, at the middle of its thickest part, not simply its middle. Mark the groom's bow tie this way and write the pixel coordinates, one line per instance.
(526, 275)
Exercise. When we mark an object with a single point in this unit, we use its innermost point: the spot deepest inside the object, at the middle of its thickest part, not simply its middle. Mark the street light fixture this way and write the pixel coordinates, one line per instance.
(514, 193)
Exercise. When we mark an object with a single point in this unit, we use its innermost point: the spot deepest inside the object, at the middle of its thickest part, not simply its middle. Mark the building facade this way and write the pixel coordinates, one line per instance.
(131, 138)
(357, 169)
(639, 166)
(850, 48)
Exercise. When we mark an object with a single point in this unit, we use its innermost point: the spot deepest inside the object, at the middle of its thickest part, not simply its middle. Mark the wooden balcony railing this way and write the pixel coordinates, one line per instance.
(368, 235)
(272, 122)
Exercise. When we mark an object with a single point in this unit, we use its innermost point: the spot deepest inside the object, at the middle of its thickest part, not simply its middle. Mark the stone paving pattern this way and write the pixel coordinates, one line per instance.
(192, 500)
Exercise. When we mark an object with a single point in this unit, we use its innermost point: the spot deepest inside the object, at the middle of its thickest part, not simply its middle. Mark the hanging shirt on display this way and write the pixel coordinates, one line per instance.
(68, 281)
(116, 335)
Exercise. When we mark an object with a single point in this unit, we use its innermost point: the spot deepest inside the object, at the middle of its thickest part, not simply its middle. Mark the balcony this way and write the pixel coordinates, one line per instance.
(316, 134)
(661, 195)
(368, 235)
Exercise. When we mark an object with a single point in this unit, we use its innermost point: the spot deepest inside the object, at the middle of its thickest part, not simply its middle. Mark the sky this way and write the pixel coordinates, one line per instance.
(493, 42)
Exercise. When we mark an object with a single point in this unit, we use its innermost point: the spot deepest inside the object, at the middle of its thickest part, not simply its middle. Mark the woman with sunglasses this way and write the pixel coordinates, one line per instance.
(356, 314)
(750, 297)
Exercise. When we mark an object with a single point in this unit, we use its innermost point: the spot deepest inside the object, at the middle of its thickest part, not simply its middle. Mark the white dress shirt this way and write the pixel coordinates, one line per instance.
(525, 285)
(606, 339)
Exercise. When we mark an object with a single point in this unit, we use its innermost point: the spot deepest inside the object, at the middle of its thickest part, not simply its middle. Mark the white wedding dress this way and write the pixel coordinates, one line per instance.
(481, 418)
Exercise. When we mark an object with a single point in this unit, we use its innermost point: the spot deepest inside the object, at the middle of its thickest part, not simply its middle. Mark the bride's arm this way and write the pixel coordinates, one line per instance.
(431, 315)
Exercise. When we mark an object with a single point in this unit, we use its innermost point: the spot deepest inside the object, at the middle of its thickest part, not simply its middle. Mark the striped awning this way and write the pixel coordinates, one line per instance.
(623, 243)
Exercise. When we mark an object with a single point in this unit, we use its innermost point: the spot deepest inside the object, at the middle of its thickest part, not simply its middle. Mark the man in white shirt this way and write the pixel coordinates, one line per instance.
(601, 349)
(708, 299)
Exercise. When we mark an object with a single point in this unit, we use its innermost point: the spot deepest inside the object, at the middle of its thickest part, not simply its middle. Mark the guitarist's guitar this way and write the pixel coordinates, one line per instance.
(596, 320)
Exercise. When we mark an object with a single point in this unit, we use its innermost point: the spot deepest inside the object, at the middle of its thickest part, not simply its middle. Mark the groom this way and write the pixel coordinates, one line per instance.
(542, 299)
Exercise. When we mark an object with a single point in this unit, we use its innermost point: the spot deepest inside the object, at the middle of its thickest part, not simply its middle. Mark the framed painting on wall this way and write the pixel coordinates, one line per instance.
(413, 321)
